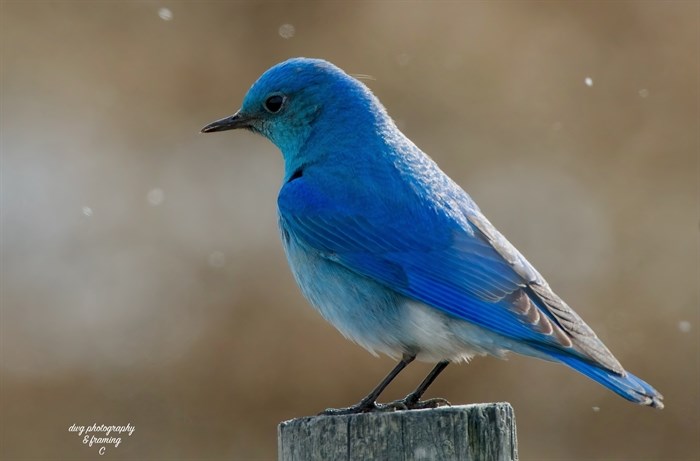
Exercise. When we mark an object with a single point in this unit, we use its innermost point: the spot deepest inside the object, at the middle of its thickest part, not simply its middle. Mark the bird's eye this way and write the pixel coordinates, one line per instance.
(273, 104)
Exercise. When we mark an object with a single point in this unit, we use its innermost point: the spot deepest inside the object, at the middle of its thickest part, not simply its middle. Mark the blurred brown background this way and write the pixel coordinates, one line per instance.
(142, 276)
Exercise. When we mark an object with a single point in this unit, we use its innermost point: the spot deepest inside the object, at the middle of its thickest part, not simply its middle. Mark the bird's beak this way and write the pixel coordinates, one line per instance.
(232, 122)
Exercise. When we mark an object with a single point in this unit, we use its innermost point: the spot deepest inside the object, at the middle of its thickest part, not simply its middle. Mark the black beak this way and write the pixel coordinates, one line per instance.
(232, 122)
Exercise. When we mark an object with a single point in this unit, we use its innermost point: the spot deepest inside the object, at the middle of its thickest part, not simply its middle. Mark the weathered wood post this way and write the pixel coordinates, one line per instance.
(479, 432)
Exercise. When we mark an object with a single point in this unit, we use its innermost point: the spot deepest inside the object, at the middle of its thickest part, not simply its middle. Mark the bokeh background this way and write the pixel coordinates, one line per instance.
(143, 280)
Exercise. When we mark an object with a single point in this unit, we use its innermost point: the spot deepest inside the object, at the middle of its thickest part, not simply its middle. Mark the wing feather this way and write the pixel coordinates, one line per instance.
(465, 268)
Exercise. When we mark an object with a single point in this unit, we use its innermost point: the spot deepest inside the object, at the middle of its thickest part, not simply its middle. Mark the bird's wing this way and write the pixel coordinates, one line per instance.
(463, 267)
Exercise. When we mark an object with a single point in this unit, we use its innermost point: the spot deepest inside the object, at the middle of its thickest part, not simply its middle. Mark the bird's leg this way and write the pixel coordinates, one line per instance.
(413, 402)
(369, 403)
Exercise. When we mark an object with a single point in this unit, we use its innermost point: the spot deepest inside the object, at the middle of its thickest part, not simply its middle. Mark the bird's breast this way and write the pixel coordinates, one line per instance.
(360, 308)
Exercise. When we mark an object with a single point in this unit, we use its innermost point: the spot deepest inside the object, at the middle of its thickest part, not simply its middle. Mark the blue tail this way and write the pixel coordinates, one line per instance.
(627, 386)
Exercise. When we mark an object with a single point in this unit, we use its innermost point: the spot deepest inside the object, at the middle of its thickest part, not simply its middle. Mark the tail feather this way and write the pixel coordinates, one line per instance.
(625, 385)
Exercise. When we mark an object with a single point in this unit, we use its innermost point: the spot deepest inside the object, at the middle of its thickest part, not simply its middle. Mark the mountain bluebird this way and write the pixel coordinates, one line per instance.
(392, 252)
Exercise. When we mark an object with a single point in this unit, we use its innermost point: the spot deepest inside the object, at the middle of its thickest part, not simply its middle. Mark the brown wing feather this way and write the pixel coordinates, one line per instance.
(567, 326)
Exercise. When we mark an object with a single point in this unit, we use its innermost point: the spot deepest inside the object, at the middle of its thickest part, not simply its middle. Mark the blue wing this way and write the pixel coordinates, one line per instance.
(445, 253)
(455, 261)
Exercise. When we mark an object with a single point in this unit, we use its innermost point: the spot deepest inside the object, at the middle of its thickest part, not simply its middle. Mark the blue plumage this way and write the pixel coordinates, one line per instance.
(391, 251)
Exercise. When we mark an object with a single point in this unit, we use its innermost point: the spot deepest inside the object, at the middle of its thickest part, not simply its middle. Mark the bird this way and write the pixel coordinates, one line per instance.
(394, 253)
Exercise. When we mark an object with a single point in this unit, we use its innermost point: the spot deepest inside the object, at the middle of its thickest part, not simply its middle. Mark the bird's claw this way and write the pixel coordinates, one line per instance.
(362, 407)
(430, 403)
(407, 403)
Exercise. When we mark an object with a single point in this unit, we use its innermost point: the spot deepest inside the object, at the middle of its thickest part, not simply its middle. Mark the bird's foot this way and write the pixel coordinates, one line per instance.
(364, 406)
(409, 402)
(430, 403)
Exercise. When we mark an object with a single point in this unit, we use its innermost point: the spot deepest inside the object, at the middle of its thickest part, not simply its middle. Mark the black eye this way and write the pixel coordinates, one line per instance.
(273, 104)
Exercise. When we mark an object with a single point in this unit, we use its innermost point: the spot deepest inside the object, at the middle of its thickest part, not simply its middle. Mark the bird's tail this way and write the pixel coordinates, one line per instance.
(625, 385)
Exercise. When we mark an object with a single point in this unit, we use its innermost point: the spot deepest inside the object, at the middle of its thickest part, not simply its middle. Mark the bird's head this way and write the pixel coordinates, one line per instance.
(294, 97)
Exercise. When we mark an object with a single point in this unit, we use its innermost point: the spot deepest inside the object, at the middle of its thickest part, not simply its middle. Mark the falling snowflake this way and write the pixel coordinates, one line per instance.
(286, 31)
(684, 326)
(155, 196)
(165, 14)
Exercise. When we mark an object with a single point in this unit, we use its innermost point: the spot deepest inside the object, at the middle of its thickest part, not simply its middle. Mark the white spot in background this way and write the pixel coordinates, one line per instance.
(87, 211)
(155, 196)
(556, 126)
(217, 259)
(643, 93)
(402, 59)
(165, 14)
(588, 81)
(684, 326)
(596, 409)
(286, 31)
(363, 76)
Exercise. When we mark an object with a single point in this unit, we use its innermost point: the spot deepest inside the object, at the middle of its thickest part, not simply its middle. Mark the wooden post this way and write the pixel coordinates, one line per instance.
(479, 432)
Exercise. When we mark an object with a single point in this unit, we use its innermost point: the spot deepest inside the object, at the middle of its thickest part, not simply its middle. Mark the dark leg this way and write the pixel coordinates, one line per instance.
(368, 403)
(413, 402)
(413, 399)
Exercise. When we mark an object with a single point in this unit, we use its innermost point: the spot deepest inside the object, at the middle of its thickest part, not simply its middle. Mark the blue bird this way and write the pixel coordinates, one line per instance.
(392, 252)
